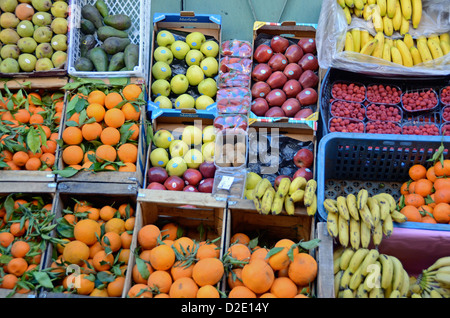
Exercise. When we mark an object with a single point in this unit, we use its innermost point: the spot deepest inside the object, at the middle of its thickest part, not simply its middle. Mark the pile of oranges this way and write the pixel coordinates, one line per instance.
(97, 249)
(30, 124)
(426, 196)
(24, 229)
(170, 264)
(101, 129)
(284, 271)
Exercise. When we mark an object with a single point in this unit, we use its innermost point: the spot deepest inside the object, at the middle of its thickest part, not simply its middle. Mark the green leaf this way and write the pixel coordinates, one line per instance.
(43, 279)
(142, 268)
(105, 277)
(119, 81)
(64, 228)
(72, 85)
(274, 251)
(309, 245)
(67, 172)
(33, 140)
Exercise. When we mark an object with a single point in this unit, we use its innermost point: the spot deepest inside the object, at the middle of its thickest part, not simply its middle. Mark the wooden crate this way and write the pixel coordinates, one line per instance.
(159, 206)
(325, 275)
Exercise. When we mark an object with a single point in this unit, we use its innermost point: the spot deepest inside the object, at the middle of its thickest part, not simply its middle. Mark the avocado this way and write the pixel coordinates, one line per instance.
(102, 8)
(117, 62)
(87, 43)
(118, 21)
(107, 31)
(131, 56)
(87, 27)
(84, 64)
(115, 45)
(89, 12)
(99, 59)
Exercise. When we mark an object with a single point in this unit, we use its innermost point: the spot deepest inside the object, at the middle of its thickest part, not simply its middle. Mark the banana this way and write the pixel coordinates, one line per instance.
(359, 4)
(409, 41)
(330, 205)
(346, 258)
(283, 187)
(343, 231)
(404, 51)
(445, 47)
(364, 38)
(361, 198)
(434, 37)
(406, 9)
(312, 209)
(348, 45)
(298, 195)
(355, 233)
(382, 5)
(371, 1)
(332, 224)
(376, 293)
(367, 12)
(435, 48)
(388, 226)
(390, 8)
(337, 252)
(397, 279)
(289, 205)
(350, 3)
(356, 36)
(386, 52)
(377, 21)
(356, 279)
(341, 3)
(397, 19)
(267, 200)
(370, 259)
(404, 26)
(348, 15)
(365, 234)
(443, 278)
(366, 217)
(444, 270)
(416, 14)
(337, 282)
(261, 188)
(361, 293)
(384, 206)
(297, 183)
(389, 41)
(424, 51)
(388, 26)
(277, 205)
(404, 289)
(369, 47)
(310, 191)
(351, 206)
(345, 280)
(398, 217)
(374, 210)
(377, 234)
(357, 12)
(445, 37)
(394, 294)
(387, 270)
(342, 207)
(373, 278)
(416, 296)
(396, 55)
(357, 258)
(391, 200)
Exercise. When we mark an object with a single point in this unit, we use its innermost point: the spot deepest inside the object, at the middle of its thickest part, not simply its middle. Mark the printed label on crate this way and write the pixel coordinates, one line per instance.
(201, 18)
(226, 183)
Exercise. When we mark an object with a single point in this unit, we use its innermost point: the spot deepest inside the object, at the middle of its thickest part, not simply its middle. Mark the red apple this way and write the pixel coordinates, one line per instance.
(291, 106)
(278, 180)
(308, 96)
(279, 44)
(259, 106)
(156, 186)
(292, 88)
(207, 169)
(303, 172)
(261, 72)
(260, 89)
(278, 62)
(263, 53)
(275, 111)
(303, 113)
(294, 53)
(157, 174)
(276, 80)
(308, 79)
(309, 62)
(174, 183)
(293, 71)
(308, 45)
(304, 158)
(190, 188)
(192, 176)
(276, 97)
(206, 185)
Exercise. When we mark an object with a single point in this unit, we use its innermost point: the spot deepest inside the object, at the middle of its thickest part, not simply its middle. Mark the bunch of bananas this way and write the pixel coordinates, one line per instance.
(433, 282)
(387, 16)
(366, 273)
(406, 51)
(267, 200)
(356, 220)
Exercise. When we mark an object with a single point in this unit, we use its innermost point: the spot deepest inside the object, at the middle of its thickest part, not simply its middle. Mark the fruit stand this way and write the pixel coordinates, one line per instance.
(150, 153)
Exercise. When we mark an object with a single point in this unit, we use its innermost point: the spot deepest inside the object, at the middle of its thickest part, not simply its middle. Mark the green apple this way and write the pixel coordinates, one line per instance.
(161, 70)
(162, 138)
(176, 166)
(252, 180)
(163, 102)
(203, 101)
(210, 48)
(208, 150)
(159, 157)
(194, 158)
(194, 57)
(178, 148)
(179, 84)
(184, 101)
(192, 135)
(209, 66)
(248, 194)
(164, 38)
(209, 134)
(195, 40)
(161, 87)
(194, 75)
(179, 49)
(208, 87)
(163, 54)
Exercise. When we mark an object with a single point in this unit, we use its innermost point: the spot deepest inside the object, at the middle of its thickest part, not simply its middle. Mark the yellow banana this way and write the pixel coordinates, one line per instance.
(389, 41)
(310, 191)
(382, 5)
(366, 235)
(361, 198)
(341, 3)
(445, 47)
(348, 46)
(396, 55)
(261, 188)
(355, 233)
(348, 15)
(343, 231)
(374, 210)
(417, 59)
(347, 293)
(398, 217)
(370, 259)
(364, 38)
(368, 48)
(257, 204)
(367, 12)
(377, 234)
(312, 209)
(357, 259)
(342, 207)
(397, 276)
(351, 206)
(387, 270)
(404, 289)
(409, 41)
(373, 278)
(366, 217)
(356, 278)
(416, 14)
(357, 12)
(345, 280)
(345, 259)
(350, 3)
(435, 48)
(289, 205)
(394, 294)
(406, 9)
(359, 4)
(267, 200)
(440, 262)
(361, 293)
(445, 37)
(397, 19)
(377, 21)
(277, 205)
(371, 1)
(297, 196)
(356, 36)
(404, 26)
(332, 224)
(424, 51)
(390, 8)
(388, 27)
(297, 183)
(384, 206)
(330, 205)
(283, 187)
(404, 51)
(388, 226)
(337, 282)
(434, 37)
(386, 52)
(391, 200)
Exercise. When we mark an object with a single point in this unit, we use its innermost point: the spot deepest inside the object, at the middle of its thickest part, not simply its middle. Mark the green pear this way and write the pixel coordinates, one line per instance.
(27, 62)
(208, 150)
(176, 167)
(209, 66)
(44, 50)
(159, 157)
(162, 138)
(194, 158)
(195, 40)
(8, 20)
(60, 9)
(161, 87)
(192, 135)
(25, 28)
(163, 102)
(161, 70)
(184, 101)
(194, 75)
(252, 180)
(41, 5)
(208, 87)
(59, 26)
(9, 65)
(194, 57)
(42, 34)
(163, 54)
(210, 48)
(209, 134)
(44, 64)
(9, 36)
(10, 51)
(203, 101)
(164, 38)
(59, 58)
(178, 148)
(179, 49)
(27, 45)
(59, 42)
(179, 84)
(41, 18)
(8, 5)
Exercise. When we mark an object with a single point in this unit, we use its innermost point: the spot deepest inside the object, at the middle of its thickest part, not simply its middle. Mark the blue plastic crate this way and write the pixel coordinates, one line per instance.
(348, 162)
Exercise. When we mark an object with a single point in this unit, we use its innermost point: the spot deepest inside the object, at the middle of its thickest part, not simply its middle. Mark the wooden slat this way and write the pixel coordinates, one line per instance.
(325, 276)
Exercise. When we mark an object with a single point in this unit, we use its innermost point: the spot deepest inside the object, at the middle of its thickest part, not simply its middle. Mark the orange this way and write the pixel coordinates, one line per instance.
(208, 250)
(20, 249)
(6, 238)
(260, 253)
(441, 212)
(258, 276)
(22, 116)
(184, 245)
(171, 231)
(424, 187)
(241, 292)
(32, 97)
(303, 269)
(234, 277)
(417, 172)
(75, 117)
(126, 239)
(115, 287)
(33, 164)
(160, 281)
(404, 189)
(72, 155)
(131, 92)
(114, 117)
(94, 248)
(12, 166)
(180, 269)
(430, 174)
(208, 291)
(102, 261)
(106, 152)
(48, 159)
(115, 225)
(91, 131)
(107, 212)
(138, 277)
(139, 291)
(283, 287)
(97, 292)
(148, 236)
(87, 285)
(20, 158)
(97, 97)
(9, 281)
(183, 287)
(240, 252)
(125, 210)
(112, 100)
(162, 257)
(208, 271)
(425, 210)
(36, 119)
(111, 240)
(129, 223)
(127, 153)
(428, 219)
(130, 112)
(414, 199)
(442, 168)
(240, 238)
(72, 135)
(124, 255)
(110, 136)
(17, 266)
(50, 147)
(87, 231)
(442, 195)
(441, 183)
(412, 213)
(96, 111)
(281, 259)
(135, 132)
(59, 106)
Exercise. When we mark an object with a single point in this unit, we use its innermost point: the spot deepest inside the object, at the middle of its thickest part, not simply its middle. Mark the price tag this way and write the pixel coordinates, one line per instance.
(226, 183)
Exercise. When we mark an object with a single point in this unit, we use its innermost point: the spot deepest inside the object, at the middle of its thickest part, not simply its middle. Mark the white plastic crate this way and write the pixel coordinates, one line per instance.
(139, 33)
